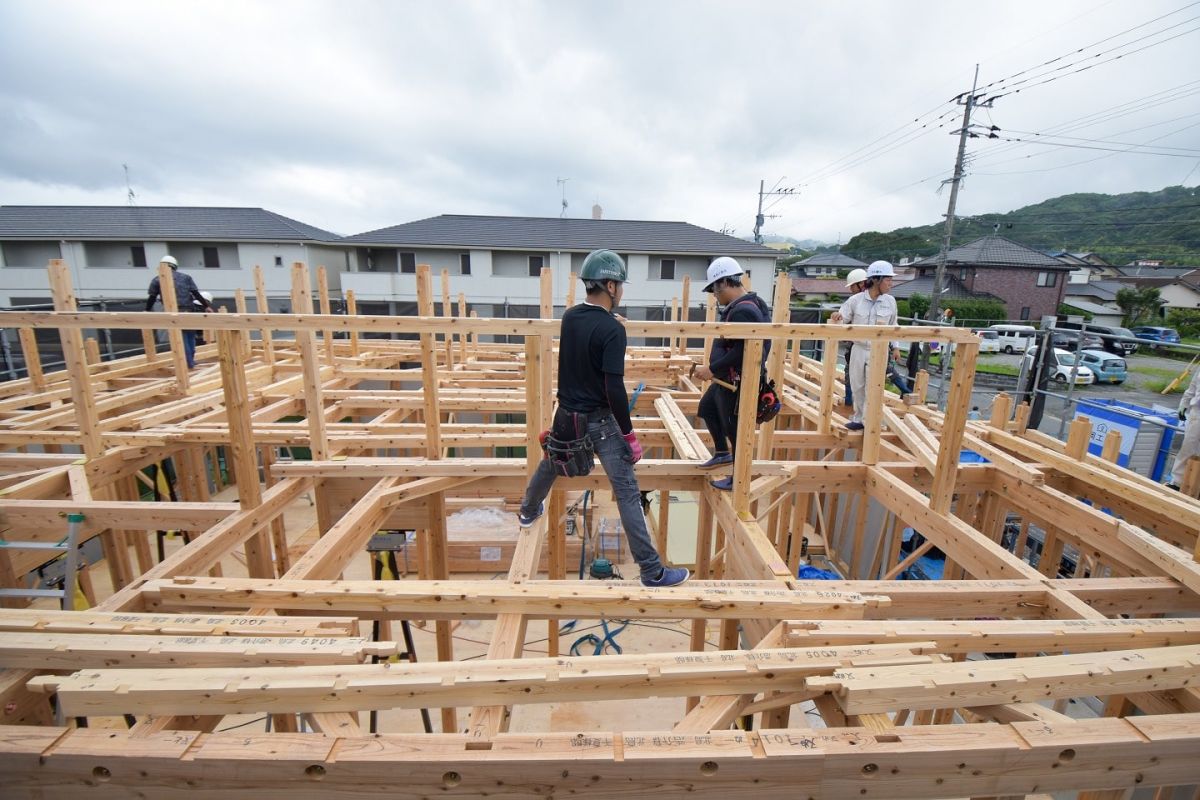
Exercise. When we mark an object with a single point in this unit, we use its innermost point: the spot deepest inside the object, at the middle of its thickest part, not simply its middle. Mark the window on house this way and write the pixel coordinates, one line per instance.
(1047, 279)
(138, 253)
(666, 269)
(962, 273)
(535, 266)
(408, 262)
(1025, 312)
(212, 260)
(279, 261)
(464, 263)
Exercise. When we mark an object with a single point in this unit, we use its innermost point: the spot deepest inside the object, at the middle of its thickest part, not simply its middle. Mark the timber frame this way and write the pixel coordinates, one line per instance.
(910, 706)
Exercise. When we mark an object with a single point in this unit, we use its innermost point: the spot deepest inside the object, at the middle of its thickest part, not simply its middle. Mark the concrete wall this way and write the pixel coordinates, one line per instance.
(29, 255)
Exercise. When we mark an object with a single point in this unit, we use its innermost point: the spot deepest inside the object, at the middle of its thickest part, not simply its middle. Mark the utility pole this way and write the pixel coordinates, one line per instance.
(939, 277)
(760, 218)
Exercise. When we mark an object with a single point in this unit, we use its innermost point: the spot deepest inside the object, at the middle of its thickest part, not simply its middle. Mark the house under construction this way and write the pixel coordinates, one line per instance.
(321, 603)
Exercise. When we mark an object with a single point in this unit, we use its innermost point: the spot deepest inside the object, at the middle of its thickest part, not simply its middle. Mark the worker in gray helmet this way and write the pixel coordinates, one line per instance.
(872, 306)
(592, 418)
(187, 297)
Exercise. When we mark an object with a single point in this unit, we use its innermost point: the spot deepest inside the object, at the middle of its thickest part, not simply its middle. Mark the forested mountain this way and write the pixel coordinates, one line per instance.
(1120, 228)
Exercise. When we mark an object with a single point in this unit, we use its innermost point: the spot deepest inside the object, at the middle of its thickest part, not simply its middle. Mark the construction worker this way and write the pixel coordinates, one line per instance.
(1189, 415)
(872, 306)
(854, 282)
(718, 406)
(187, 298)
(593, 411)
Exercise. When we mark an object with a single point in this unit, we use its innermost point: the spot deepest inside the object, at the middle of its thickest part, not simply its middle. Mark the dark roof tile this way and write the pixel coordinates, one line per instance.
(154, 223)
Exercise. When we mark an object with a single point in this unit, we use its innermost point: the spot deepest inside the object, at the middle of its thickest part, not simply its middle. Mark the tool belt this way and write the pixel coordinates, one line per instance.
(567, 445)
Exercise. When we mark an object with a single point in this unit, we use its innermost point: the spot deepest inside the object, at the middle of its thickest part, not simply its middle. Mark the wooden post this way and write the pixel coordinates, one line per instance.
(326, 309)
(1001, 411)
(239, 302)
(92, 351)
(166, 286)
(828, 379)
(780, 313)
(351, 311)
(435, 544)
(873, 415)
(1078, 437)
(950, 445)
(314, 400)
(261, 305)
(32, 358)
(571, 279)
(743, 459)
(1111, 451)
(685, 298)
(462, 339)
(231, 353)
(447, 311)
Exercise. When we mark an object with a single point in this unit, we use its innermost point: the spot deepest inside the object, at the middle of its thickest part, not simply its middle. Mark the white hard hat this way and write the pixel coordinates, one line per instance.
(857, 275)
(207, 296)
(880, 269)
(723, 267)
(170, 260)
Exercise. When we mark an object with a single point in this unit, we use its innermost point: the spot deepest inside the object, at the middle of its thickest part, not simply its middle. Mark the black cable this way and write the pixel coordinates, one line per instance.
(242, 724)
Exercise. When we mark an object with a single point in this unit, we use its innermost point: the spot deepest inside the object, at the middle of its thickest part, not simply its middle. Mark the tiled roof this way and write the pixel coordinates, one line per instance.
(553, 233)
(996, 251)
(924, 286)
(154, 223)
(830, 260)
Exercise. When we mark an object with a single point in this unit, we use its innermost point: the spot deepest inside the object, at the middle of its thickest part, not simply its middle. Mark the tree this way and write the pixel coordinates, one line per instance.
(918, 304)
(1139, 304)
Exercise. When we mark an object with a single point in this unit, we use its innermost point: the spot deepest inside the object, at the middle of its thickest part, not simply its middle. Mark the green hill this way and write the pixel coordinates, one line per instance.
(1120, 228)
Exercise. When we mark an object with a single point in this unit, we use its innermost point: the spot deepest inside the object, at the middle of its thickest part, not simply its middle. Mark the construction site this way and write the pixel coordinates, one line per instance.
(311, 582)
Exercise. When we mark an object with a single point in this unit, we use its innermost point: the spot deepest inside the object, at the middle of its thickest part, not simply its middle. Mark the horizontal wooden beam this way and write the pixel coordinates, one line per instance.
(43, 650)
(908, 763)
(1017, 680)
(430, 685)
(123, 622)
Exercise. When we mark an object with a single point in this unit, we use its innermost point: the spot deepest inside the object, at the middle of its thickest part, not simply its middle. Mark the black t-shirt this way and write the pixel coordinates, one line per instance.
(591, 343)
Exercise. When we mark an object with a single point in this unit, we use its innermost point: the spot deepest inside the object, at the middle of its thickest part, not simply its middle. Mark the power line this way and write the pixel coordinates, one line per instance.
(1128, 148)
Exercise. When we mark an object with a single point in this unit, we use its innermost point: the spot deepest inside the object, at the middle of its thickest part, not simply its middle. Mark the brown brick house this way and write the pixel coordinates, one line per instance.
(1029, 282)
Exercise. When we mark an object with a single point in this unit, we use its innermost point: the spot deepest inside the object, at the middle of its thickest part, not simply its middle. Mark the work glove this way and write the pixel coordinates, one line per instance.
(635, 447)
(1182, 414)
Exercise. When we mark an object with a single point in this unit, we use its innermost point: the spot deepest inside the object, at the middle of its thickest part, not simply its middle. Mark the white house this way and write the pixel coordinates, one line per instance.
(496, 262)
(114, 251)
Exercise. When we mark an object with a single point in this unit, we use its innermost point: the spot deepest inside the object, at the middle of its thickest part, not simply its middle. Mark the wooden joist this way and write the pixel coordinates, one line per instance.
(29, 619)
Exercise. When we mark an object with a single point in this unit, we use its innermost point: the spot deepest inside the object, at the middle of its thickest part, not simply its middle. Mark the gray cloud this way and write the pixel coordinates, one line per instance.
(358, 115)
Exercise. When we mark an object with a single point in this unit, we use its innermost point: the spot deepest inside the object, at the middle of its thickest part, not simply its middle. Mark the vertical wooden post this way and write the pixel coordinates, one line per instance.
(32, 358)
(1078, 437)
(957, 405)
(166, 285)
(462, 338)
(314, 400)
(351, 311)
(685, 316)
(673, 341)
(447, 311)
(1001, 411)
(828, 378)
(571, 279)
(873, 415)
(780, 313)
(556, 507)
(283, 561)
(437, 556)
(92, 351)
(83, 402)
(747, 409)
(261, 306)
(326, 309)
(1112, 446)
(239, 303)
(231, 353)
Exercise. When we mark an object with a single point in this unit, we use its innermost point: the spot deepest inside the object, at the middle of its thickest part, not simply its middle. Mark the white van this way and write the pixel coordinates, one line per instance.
(1014, 338)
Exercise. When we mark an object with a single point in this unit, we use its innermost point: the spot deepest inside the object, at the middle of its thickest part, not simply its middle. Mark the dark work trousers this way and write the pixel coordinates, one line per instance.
(718, 409)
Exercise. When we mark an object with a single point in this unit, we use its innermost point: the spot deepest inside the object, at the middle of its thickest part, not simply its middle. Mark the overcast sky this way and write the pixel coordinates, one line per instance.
(357, 115)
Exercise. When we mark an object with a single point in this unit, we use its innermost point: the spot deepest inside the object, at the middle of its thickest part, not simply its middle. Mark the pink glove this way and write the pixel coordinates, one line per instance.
(634, 445)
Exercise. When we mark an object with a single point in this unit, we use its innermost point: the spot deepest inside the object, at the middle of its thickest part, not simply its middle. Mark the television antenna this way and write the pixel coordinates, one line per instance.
(562, 184)
(129, 195)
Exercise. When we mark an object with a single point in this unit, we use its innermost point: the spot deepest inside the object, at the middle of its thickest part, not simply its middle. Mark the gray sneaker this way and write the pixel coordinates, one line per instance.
(671, 576)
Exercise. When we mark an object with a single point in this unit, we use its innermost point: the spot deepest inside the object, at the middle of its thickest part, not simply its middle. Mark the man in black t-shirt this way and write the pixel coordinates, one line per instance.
(592, 403)
(718, 406)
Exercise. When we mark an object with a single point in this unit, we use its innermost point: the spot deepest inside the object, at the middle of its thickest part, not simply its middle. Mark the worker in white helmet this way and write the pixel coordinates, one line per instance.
(1189, 415)
(718, 405)
(188, 297)
(854, 283)
(872, 306)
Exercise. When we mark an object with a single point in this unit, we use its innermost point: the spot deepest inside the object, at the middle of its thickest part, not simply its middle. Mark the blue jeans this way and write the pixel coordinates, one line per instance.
(617, 459)
(189, 348)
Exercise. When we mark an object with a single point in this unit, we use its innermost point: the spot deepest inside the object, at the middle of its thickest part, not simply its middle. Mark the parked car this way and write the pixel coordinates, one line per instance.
(1157, 335)
(1064, 363)
(1105, 366)
(989, 341)
(1120, 341)
(1014, 338)
(1077, 340)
